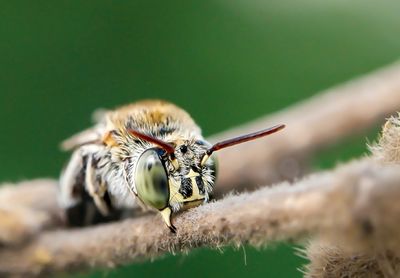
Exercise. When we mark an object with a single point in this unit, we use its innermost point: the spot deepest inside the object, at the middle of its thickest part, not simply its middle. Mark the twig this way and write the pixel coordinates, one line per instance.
(311, 125)
(356, 204)
(26, 209)
(334, 260)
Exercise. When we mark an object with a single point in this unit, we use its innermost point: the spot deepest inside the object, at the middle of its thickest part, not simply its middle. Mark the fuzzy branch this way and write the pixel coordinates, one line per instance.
(27, 209)
(356, 204)
(334, 259)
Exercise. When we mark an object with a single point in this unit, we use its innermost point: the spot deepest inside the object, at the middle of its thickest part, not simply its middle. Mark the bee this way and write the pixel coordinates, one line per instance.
(150, 153)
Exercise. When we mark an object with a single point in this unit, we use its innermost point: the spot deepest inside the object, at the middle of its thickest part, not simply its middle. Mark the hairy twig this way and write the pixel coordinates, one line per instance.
(311, 125)
(387, 150)
(26, 209)
(333, 260)
(355, 204)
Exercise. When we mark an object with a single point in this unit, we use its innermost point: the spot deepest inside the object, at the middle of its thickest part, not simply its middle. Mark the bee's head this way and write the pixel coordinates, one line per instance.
(191, 181)
(168, 177)
(169, 183)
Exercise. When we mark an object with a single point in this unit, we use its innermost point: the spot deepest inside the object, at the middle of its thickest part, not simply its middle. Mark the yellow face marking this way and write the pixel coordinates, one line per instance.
(176, 197)
(193, 204)
(192, 174)
(195, 189)
(204, 159)
(175, 163)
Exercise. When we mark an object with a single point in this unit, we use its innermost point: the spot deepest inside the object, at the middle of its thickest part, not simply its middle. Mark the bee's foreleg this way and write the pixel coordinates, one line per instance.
(83, 195)
(72, 181)
(95, 187)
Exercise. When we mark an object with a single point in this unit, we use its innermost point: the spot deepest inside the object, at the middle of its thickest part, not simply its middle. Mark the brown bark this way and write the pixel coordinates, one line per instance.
(355, 205)
(334, 259)
(26, 209)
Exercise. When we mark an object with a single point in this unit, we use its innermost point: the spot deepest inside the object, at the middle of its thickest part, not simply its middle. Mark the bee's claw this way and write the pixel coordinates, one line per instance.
(172, 228)
(166, 215)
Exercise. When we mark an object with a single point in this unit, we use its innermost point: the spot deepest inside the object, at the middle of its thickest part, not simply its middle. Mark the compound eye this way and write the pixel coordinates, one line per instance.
(151, 180)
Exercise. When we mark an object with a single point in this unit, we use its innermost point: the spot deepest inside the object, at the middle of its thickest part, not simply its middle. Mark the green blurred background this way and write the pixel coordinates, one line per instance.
(224, 61)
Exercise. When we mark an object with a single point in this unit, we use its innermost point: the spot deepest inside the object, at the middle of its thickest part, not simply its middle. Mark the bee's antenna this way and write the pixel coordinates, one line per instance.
(239, 140)
(167, 147)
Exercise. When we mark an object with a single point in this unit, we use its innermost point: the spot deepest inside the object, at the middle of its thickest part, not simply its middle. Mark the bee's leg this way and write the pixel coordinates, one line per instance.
(83, 196)
(95, 187)
(72, 188)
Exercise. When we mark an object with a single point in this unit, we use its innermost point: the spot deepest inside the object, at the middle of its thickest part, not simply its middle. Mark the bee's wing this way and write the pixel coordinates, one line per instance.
(88, 136)
(92, 135)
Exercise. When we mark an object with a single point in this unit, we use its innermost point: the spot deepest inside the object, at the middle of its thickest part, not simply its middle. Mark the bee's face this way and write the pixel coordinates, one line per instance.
(163, 182)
